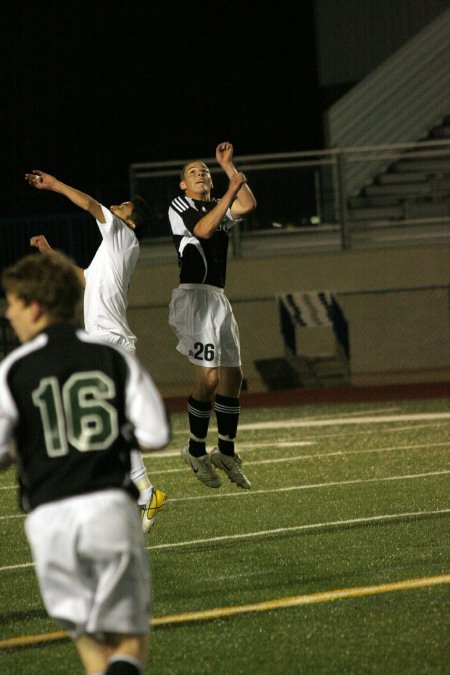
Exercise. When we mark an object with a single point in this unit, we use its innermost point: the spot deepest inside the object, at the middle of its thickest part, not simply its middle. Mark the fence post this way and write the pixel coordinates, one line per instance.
(343, 212)
(318, 195)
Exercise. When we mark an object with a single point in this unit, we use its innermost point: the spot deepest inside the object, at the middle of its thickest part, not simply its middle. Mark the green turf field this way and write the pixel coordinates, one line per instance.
(337, 561)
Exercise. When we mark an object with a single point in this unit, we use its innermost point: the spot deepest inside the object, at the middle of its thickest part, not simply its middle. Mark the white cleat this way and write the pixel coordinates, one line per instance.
(202, 468)
(231, 466)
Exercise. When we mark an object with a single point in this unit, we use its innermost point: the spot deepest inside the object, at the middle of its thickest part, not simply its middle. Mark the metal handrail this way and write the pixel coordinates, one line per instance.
(267, 157)
(335, 160)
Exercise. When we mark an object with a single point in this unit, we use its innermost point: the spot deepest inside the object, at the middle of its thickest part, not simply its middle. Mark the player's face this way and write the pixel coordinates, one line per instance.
(124, 211)
(197, 182)
(21, 317)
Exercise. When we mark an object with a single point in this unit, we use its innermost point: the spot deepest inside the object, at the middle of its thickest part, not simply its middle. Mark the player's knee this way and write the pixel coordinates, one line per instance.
(206, 382)
(212, 380)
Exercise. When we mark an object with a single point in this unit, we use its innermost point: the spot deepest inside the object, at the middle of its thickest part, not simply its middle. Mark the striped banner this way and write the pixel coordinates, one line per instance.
(311, 309)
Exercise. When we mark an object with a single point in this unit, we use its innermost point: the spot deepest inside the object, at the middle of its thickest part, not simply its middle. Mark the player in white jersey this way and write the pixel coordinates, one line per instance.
(201, 315)
(106, 283)
(72, 408)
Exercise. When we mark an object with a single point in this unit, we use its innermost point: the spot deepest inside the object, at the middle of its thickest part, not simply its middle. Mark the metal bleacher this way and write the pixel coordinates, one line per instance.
(383, 177)
(412, 187)
(399, 113)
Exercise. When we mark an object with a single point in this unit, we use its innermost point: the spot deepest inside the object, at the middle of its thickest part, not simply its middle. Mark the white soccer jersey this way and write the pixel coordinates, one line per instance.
(107, 280)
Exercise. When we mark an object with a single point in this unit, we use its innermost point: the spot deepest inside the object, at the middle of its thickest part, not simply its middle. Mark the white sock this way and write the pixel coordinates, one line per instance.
(138, 475)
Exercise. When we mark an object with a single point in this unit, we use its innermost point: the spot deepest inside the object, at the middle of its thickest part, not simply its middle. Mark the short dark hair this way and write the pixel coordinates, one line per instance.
(48, 279)
(142, 216)
(191, 161)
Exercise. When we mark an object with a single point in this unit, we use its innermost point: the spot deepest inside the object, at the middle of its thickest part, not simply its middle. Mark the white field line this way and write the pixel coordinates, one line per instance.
(275, 444)
(394, 430)
(321, 455)
(342, 453)
(311, 486)
(161, 454)
(262, 606)
(292, 488)
(347, 433)
(384, 518)
(298, 458)
(20, 566)
(342, 421)
(355, 413)
(371, 411)
(286, 444)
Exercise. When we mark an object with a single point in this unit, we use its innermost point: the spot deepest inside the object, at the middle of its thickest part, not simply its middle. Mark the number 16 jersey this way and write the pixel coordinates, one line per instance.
(74, 406)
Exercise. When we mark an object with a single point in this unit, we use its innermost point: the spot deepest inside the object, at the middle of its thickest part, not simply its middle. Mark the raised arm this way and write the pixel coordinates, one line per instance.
(44, 181)
(41, 243)
(245, 200)
(207, 225)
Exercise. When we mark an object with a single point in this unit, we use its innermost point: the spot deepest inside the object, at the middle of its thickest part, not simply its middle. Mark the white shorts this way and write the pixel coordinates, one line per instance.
(118, 340)
(91, 563)
(202, 319)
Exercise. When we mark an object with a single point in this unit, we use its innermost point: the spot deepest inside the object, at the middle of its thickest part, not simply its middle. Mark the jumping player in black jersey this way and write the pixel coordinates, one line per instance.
(72, 408)
(201, 315)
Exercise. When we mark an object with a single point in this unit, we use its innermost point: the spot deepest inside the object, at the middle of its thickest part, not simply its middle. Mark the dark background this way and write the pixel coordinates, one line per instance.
(91, 87)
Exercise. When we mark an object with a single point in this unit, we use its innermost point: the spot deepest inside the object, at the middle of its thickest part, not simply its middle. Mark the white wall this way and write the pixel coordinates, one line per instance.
(401, 336)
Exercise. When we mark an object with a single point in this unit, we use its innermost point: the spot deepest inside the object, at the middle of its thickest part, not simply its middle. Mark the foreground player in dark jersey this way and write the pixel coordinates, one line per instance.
(201, 315)
(72, 408)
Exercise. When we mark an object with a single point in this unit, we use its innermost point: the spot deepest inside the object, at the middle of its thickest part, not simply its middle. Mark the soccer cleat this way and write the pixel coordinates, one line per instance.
(231, 466)
(202, 468)
(150, 510)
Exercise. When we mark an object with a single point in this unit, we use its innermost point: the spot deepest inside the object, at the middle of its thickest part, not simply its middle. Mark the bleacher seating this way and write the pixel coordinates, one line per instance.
(410, 188)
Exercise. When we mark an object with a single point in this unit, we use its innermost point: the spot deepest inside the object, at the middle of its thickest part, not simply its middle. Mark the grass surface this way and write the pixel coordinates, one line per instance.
(343, 497)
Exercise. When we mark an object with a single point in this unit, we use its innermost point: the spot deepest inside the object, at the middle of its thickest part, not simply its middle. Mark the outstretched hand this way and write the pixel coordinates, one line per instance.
(224, 153)
(40, 180)
(41, 243)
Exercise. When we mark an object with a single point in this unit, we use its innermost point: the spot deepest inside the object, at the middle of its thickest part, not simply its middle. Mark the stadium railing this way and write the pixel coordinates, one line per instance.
(306, 196)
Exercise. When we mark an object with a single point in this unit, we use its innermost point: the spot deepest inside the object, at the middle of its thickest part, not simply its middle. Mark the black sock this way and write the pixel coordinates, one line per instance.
(227, 414)
(199, 413)
(123, 665)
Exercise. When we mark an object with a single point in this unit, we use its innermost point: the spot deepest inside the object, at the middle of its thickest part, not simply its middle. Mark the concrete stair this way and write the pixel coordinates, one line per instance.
(410, 188)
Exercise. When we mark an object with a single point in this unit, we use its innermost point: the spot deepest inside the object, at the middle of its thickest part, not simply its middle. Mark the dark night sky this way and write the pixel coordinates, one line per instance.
(90, 87)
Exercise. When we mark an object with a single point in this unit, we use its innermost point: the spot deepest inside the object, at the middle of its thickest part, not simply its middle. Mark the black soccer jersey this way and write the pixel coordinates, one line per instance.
(201, 261)
(74, 406)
